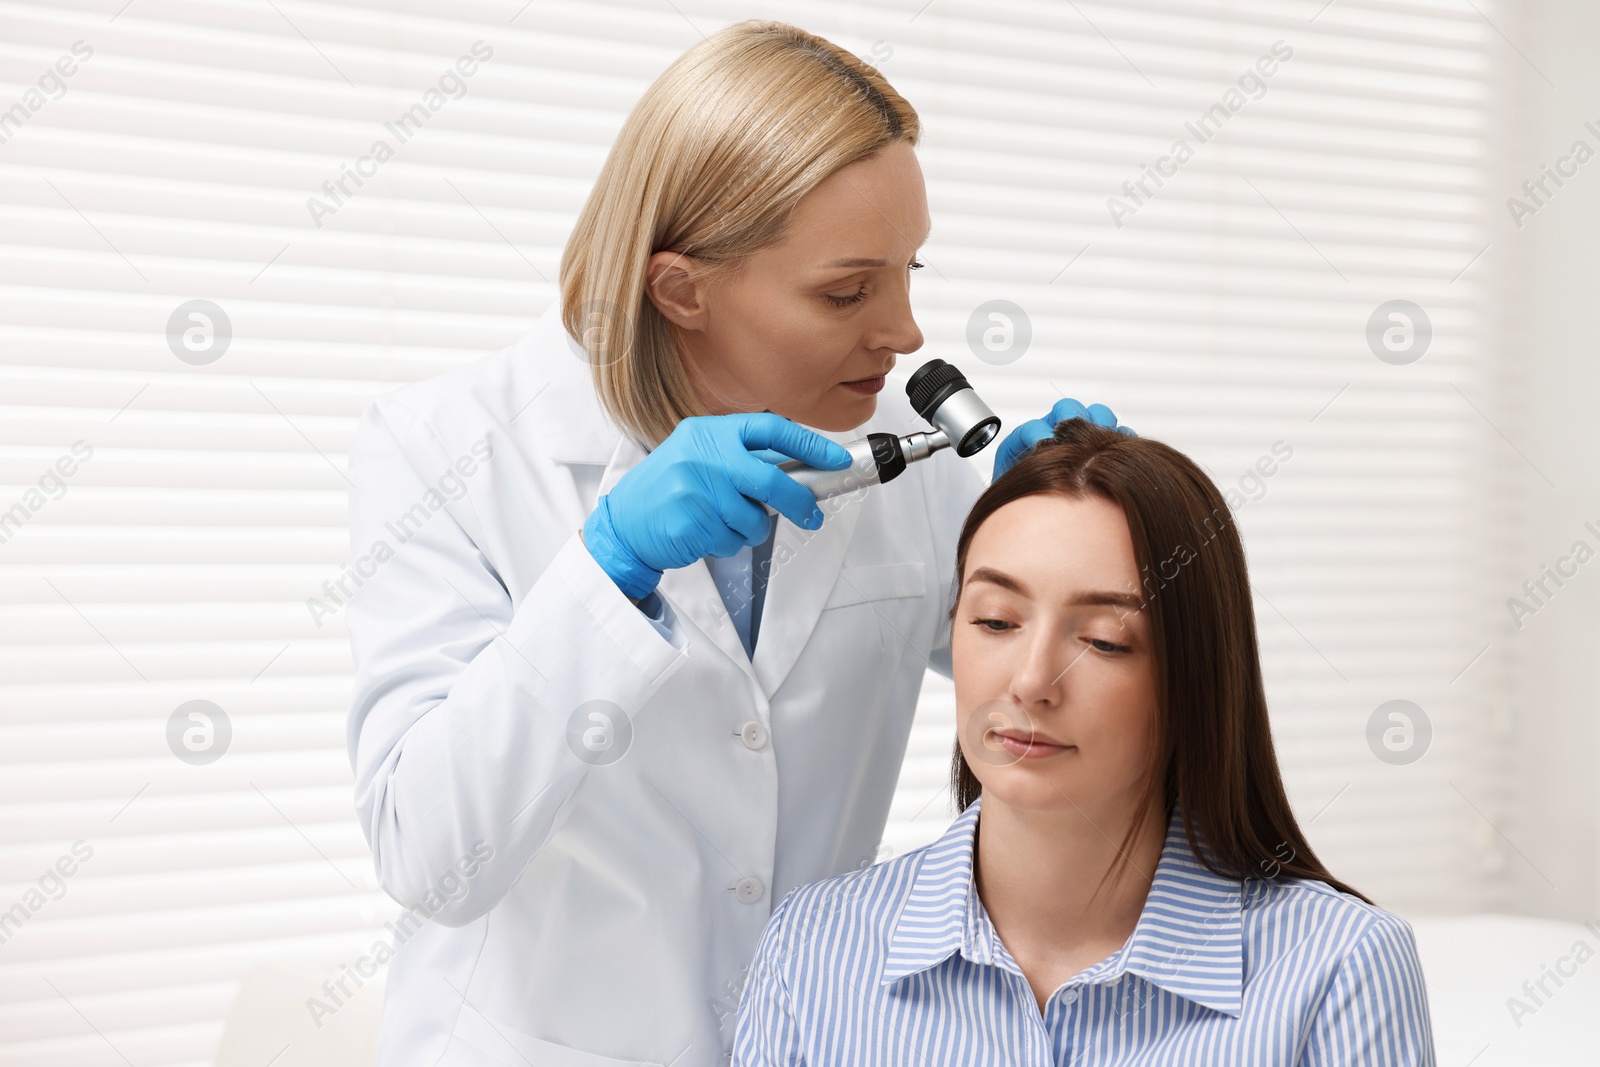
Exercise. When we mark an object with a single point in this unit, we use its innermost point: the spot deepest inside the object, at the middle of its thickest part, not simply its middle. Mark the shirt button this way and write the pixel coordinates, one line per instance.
(1070, 996)
(749, 890)
(754, 735)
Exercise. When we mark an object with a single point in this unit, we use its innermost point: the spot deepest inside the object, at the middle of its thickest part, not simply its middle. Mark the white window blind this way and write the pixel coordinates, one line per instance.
(165, 516)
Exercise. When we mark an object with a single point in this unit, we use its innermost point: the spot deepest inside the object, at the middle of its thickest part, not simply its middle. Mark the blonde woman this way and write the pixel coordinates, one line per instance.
(606, 709)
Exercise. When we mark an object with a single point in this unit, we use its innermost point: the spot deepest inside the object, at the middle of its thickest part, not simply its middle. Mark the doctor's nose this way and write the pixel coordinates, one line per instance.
(898, 330)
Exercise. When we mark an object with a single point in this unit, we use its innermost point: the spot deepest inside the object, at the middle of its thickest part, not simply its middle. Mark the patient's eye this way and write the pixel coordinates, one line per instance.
(1108, 646)
(993, 626)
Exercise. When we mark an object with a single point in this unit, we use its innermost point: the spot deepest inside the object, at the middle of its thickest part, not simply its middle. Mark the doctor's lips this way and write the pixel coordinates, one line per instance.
(867, 386)
(1029, 744)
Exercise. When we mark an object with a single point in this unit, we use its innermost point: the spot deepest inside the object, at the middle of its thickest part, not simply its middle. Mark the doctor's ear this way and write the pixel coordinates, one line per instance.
(676, 284)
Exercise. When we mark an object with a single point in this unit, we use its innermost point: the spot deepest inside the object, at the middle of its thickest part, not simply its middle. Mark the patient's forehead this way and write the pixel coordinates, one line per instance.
(1057, 544)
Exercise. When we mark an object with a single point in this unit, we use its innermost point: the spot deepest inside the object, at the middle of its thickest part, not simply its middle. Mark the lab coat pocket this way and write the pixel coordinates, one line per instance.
(877, 581)
(500, 1044)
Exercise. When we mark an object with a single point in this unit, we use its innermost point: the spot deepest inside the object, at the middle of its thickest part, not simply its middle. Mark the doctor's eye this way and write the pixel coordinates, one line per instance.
(917, 264)
(845, 301)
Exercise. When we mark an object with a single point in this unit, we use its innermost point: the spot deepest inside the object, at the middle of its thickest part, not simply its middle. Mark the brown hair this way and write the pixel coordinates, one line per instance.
(710, 163)
(1214, 753)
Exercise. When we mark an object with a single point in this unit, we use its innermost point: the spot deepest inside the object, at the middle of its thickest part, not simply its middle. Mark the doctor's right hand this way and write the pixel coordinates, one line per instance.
(695, 495)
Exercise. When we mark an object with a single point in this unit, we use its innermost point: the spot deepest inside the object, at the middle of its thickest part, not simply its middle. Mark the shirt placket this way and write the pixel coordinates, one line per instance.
(1065, 1026)
(1060, 1028)
(1042, 1047)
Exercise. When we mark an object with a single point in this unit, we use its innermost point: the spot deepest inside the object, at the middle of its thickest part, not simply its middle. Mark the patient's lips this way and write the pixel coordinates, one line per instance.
(1028, 744)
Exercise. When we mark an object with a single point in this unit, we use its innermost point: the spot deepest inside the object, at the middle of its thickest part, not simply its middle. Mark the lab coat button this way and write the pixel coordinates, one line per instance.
(755, 735)
(750, 890)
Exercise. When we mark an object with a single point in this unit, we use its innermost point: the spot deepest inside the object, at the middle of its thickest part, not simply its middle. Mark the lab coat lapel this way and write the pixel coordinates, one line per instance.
(573, 428)
(693, 592)
(805, 566)
(690, 590)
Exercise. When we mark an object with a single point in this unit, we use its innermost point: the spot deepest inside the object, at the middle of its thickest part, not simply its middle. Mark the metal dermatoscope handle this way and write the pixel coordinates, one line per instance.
(941, 394)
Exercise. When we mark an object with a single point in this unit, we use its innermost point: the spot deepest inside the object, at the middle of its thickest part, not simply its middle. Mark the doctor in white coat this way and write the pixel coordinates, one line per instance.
(589, 782)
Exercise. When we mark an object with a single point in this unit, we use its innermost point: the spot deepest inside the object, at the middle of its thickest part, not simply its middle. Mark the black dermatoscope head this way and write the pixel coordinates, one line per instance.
(936, 390)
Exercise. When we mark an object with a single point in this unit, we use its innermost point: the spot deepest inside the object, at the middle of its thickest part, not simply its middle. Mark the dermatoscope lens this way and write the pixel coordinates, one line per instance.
(941, 394)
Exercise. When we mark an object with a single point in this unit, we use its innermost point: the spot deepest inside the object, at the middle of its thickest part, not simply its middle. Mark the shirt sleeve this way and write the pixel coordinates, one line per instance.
(655, 609)
(1375, 1013)
(768, 1034)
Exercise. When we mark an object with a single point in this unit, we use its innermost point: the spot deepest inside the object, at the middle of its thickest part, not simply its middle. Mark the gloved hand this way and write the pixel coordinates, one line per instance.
(1019, 441)
(695, 496)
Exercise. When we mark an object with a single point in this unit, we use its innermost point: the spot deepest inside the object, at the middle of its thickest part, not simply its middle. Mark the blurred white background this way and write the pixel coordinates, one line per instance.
(170, 514)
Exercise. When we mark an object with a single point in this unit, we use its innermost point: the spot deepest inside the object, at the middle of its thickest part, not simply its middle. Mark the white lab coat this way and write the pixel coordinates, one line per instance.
(620, 903)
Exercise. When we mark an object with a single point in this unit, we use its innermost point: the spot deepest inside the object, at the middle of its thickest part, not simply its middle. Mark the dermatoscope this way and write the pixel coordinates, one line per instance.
(941, 394)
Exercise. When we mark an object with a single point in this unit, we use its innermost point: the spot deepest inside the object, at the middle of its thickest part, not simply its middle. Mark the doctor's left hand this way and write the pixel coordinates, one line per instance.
(695, 495)
(1024, 437)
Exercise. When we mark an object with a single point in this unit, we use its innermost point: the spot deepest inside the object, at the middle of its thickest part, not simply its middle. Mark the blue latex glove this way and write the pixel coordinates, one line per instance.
(696, 494)
(1020, 440)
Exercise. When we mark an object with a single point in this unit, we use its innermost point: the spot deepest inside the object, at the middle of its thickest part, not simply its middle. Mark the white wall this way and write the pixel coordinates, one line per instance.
(1551, 371)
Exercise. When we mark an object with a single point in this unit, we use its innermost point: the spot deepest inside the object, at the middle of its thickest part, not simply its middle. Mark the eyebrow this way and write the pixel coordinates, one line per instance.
(860, 261)
(855, 262)
(1105, 597)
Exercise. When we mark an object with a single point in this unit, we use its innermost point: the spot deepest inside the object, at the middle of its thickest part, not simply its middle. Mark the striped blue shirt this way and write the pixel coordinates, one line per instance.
(899, 964)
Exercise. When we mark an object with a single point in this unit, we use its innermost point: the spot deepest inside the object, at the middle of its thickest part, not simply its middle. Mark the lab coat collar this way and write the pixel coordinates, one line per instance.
(565, 415)
(571, 426)
(1188, 940)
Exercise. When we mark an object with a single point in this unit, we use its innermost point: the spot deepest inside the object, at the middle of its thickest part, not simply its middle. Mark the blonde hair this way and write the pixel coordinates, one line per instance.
(710, 163)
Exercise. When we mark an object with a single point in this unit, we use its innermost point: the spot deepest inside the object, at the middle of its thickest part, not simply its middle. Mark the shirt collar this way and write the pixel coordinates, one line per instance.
(1188, 940)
